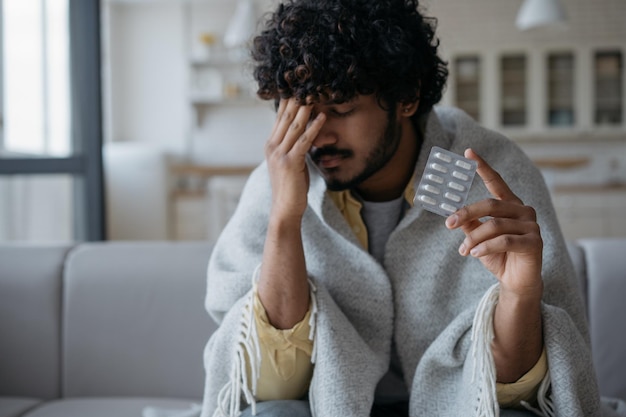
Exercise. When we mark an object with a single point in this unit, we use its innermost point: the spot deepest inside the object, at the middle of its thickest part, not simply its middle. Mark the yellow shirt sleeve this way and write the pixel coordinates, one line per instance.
(286, 369)
(525, 388)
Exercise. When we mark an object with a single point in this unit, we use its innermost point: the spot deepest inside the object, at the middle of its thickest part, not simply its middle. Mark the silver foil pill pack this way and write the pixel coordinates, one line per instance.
(446, 182)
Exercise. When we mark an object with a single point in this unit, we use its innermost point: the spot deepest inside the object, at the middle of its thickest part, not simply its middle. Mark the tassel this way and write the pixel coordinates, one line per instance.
(484, 371)
(229, 397)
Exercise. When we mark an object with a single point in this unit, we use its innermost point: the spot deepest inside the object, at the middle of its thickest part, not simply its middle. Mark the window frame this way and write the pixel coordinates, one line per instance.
(86, 164)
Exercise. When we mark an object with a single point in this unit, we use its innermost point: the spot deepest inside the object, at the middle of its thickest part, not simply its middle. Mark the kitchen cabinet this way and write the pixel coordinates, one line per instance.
(546, 91)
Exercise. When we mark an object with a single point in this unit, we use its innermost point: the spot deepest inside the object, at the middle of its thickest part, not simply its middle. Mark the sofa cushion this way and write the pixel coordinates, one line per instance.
(16, 406)
(105, 407)
(606, 287)
(134, 322)
(30, 317)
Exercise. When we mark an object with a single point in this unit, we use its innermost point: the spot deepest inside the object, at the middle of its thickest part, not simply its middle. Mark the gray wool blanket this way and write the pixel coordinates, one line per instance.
(426, 297)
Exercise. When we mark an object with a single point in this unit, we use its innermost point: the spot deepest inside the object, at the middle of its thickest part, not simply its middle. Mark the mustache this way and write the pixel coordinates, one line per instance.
(319, 153)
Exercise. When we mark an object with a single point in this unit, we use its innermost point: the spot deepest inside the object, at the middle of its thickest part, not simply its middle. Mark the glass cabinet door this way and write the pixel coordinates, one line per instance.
(513, 90)
(608, 87)
(561, 89)
(467, 75)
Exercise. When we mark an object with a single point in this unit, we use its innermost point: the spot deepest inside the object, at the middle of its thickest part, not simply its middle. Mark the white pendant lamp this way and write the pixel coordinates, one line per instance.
(536, 13)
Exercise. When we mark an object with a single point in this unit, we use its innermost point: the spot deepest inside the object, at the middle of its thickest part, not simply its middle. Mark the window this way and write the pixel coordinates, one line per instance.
(608, 87)
(467, 74)
(561, 89)
(36, 77)
(36, 208)
(50, 138)
(513, 90)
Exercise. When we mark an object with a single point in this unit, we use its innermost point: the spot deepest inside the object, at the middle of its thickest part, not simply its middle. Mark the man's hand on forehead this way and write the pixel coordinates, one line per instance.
(286, 150)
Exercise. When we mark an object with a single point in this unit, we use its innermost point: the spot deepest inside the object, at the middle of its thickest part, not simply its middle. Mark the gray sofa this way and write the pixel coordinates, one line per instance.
(107, 329)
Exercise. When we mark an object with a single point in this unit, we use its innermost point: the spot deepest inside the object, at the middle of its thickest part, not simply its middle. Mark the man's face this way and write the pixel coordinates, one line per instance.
(356, 143)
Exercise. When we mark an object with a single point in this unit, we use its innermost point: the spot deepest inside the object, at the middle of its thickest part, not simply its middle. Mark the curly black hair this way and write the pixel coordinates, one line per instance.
(337, 49)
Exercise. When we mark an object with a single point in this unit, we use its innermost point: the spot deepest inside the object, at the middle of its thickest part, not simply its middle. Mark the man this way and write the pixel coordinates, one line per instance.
(337, 296)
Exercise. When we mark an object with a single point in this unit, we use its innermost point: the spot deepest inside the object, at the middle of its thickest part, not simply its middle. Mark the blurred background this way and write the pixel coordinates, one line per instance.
(137, 120)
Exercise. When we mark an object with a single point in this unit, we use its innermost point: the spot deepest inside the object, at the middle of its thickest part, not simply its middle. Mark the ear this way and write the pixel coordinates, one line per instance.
(407, 109)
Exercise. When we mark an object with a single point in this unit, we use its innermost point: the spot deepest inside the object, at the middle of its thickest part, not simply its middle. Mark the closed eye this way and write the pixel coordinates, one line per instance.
(338, 113)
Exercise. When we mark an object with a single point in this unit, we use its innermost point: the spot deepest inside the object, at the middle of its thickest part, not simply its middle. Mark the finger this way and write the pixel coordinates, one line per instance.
(283, 121)
(281, 108)
(466, 216)
(296, 128)
(526, 243)
(493, 181)
(305, 141)
(493, 228)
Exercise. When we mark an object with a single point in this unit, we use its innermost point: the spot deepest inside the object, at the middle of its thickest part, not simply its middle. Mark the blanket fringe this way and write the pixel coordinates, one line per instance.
(484, 370)
(229, 397)
(484, 366)
(313, 318)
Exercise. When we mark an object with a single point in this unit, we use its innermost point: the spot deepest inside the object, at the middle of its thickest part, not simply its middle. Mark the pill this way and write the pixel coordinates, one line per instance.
(463, 164)
(456, 186)
(443, 157)
(451, 196)
(460, 175)
(435, 178)
(448, 207)
(428, 200)
(431, 189)
(439, 167)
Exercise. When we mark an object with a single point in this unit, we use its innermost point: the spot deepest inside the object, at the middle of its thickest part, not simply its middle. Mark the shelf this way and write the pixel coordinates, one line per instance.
(221, 62)
(590, 188)
(561, 163)
(199, 99)
(206, 171)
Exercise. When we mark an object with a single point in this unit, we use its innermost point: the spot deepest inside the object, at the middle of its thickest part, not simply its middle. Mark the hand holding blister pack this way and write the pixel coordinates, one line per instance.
(446, 182)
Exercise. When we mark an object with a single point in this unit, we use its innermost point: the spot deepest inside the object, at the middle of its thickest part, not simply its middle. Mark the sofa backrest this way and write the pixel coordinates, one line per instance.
(134, 319)
(30, 313)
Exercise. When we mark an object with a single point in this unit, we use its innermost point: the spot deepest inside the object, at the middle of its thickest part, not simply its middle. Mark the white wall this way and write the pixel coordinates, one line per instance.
(147, 70)
(491, 23)
(149, 47)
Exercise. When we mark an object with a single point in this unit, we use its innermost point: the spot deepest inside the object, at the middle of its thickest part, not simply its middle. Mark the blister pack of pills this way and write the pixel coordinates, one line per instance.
(446, 182)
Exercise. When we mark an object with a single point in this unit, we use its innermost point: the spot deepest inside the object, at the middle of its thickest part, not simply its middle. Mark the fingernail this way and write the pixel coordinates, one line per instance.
(462, 249)
(475, 251)
(451, 221)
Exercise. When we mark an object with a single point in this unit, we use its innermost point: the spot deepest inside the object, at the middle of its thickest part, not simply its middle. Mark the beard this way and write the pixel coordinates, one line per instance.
(386, 147)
